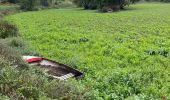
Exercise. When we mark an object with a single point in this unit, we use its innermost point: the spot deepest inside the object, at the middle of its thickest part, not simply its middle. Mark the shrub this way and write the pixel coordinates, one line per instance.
(4, 97)
(10, 55)
(29, 92)
(40, 4)
(19, 46)
(28, 4)
(5, 1)
(64, 4)
(12, 1)
(166, 1)
(104, 5)
(64, 90)
(14, 42)
(5, 12)
(7, 30)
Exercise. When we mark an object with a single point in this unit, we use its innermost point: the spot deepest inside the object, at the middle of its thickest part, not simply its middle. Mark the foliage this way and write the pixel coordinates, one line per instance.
(41, 4)
(7, 30)
(104, 4)
(11, 1)
(28, 4)
(7, 10)
(166, 1)
(8, 7)
(11, 56)
(65, 4)
(115, 51)
(19, 46)
(13, 42)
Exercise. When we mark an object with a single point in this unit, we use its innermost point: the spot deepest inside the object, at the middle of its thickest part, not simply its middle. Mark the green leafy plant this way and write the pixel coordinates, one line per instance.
(124, 55)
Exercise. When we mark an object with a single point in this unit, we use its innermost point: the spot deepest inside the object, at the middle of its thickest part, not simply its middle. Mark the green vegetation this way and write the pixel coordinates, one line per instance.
(7, 30)
(42, 4)
(11, 1)
(104, 4)
(7, 9)
(123, 54)
(19, 81)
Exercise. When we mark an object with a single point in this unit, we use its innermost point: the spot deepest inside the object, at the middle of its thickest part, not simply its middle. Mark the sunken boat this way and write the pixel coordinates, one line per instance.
(54, 69)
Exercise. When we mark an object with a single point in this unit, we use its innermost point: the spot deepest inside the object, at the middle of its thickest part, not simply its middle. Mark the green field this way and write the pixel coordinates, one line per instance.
(123, 54)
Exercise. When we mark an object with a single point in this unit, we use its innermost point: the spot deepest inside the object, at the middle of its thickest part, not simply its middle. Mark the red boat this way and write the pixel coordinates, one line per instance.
(53, 68)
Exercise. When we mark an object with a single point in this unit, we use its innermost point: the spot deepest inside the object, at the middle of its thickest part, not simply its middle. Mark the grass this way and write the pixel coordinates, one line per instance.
(123, 54)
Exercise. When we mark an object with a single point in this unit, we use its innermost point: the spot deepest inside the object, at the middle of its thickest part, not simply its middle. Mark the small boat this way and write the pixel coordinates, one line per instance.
(54, 69)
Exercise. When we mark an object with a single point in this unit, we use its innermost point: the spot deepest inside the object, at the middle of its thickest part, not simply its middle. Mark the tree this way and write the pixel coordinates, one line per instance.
(28, 4)
(34, 4)
(12, 1)
(104, 5)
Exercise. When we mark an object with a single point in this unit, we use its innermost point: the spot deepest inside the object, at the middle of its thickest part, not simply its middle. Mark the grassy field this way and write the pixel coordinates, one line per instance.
(123, 54)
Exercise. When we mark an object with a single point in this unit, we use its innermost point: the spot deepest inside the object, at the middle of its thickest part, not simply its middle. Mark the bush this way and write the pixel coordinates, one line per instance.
(65, 4)
(7, 30)
(5, 12)
(12, 1)
(2, 97)
(104, 5)
(65, 90)
(13, 42)
(19, 46)
(29, 92)
(30, 5)
(87, 4)
(11, 56)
